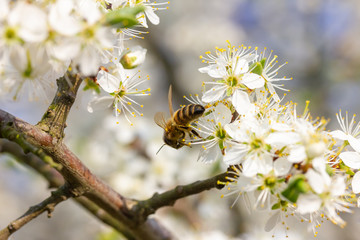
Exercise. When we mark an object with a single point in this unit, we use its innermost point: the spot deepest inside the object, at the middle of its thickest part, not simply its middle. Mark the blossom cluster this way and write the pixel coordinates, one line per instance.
(286, 162)
(40, 41)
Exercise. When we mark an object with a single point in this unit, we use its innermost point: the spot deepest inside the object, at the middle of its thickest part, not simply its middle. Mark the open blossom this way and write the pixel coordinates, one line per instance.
(269, 73)
(120, 90)
(30, 72)
(267, 185)
(232, 66)
(81, 37)
(215, 137)
(330, 200)
(250, 148)
(348, 134)
(150, 8)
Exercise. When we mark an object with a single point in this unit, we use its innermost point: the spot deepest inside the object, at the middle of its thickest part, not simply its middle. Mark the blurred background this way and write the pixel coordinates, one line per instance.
(320, 41)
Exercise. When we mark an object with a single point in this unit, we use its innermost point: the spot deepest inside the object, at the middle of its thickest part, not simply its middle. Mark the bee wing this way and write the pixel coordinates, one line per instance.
(159, 119)
(170, 101)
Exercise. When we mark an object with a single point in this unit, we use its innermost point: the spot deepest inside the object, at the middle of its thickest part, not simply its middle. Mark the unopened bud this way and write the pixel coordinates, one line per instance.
(133, 58)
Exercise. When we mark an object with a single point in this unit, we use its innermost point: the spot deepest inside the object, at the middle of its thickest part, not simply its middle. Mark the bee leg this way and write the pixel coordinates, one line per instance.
(195, 133)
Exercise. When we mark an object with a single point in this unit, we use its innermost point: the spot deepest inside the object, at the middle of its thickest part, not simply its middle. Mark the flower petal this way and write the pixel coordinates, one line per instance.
(99, 103)
(338, 187)
(235, 154)
(241, 101)
(354, 143)
(283, 138)
(154, 19)
(217, 71)
(282, 166)
(108, 82)
(355, 184)
(297, 154)
(222, 114)
(316, 181)
(272, 221)
(252, 80)
(210, 154)
(339, 135)
(257, 164)
(204, 69)
(351, 159)
(308, 203)
(214, 94)
(31, 21)
(240, 66)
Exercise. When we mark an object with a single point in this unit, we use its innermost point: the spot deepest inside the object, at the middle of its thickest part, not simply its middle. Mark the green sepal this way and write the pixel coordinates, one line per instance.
(229, 92)
(210, 137)
(275, 206)
(346, 169)
(257, 68)
(262, 62)
(91, 85)
(295, 188)
(124, 17)
(268, 147)
(221, 144)
(329, 170)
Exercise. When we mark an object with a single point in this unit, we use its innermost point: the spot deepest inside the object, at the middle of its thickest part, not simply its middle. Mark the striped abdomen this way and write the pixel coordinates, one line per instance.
(187, 114)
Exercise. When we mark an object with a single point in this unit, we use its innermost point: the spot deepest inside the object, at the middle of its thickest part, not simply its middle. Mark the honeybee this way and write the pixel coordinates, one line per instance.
(176, 128)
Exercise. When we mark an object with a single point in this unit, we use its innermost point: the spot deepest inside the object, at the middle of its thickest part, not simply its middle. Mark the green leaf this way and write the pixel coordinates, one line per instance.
(295, 188)
(124, 17)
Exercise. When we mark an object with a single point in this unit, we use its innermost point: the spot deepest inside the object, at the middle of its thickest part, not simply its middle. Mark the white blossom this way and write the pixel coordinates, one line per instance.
(121, 89)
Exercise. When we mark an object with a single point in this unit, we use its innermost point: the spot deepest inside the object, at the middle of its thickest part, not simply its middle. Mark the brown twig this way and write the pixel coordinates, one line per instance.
(54, 119)
(144, 208)
(58, 196)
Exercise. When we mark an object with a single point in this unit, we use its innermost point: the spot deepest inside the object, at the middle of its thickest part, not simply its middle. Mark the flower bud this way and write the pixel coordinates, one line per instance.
(133, 58)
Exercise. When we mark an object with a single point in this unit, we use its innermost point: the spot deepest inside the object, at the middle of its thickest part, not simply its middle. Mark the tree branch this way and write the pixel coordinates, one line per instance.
(144, 208)
(81, 179)
(45, 141)
(54, 119)
(55, 179)
(60, 195)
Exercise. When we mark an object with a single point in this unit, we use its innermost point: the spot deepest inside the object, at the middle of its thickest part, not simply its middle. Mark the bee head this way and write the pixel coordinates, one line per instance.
(172, 142)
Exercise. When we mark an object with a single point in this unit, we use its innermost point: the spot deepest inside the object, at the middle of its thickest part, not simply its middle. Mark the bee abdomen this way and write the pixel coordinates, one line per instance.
(189, 113)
